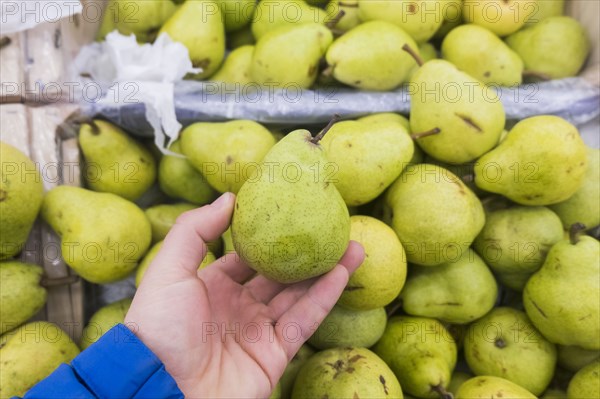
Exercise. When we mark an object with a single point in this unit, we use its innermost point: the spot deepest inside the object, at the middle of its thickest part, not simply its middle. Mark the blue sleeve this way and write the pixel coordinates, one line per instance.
(119, 365)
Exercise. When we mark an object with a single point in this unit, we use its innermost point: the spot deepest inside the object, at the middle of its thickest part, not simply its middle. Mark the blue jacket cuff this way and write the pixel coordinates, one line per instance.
(119, 365)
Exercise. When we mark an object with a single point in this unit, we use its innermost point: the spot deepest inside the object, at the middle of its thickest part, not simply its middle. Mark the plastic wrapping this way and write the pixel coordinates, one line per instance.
(573, 99)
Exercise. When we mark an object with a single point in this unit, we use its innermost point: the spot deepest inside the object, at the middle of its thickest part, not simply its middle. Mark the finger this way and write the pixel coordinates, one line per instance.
(232, 266)
(309, 311)
(184, 246)
(353, 257)
(264, 289)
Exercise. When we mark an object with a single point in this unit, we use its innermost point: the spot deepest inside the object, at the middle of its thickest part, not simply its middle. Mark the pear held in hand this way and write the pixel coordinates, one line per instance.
(290, 223)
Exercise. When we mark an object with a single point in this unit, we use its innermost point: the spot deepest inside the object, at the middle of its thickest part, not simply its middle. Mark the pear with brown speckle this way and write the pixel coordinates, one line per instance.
(421, 352)
(542, 161)
(571, 272)
(290, 223)
(346, 373)
(487, 387)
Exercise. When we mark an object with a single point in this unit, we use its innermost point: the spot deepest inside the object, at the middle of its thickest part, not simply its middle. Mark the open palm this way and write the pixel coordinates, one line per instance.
(224, 331)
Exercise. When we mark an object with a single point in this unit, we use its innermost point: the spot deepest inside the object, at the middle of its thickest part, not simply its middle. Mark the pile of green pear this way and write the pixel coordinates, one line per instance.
(482, 270)
(481, 276)
(365, 44)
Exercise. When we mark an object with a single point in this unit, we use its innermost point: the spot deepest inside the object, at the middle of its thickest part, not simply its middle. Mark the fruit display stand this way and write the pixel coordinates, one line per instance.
(33, 130)
(34, 66)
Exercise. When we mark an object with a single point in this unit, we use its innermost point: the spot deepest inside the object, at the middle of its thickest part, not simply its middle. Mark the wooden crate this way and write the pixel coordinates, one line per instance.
(33, 131)
(34, 64)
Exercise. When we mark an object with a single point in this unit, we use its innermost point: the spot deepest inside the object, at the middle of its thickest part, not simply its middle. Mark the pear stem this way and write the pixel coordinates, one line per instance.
(537, 75)
(394, 307)
(442, 392)
(336, 118)
(431, 132)
(54, 282)
(334, 21)
(327, 72)
(575, 231)
(413, 54)
(4, 41)
(468, 178)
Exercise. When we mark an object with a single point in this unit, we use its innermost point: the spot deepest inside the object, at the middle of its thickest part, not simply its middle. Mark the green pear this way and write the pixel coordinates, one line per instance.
(292, 369)
(542, 161)
(236, 68)
(276, 393)
(381, 276)
(272, 230)
(21, 195)
(537, 46)
(271, 15)
(478, 52)
(386, 117)
(505, 344)
(346, 373)
(227, 241)
(502, 17)
(21, 295)
(102, 235)
(543, 9)
(162, 218)
(240, 38)
(571, 272)
(452, 13)
(345, 327)
(467, 116)
(114, 161)
(151, 254)
(419, 19)
(198, 25)
(464, 171)
(138, 17)
(349, 19)
(303, 46)
(427, 51)
(371, 56)
(455, 292)
(421, 353)
(226, 153)
(179, 179)
(574, 358)
(583, 206)
(435, 215)
(236, 13)
(585, 383)
(514, 242)
(489, 387)
(458, 378)
(31, 353)
(103, 320)
(368, 157)
(145, 262)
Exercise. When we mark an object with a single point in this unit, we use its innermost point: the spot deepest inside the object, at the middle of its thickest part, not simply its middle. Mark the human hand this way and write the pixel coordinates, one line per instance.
(225, 331)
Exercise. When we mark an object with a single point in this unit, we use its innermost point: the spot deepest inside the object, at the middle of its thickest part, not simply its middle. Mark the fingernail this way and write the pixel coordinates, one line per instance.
(222, 201)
